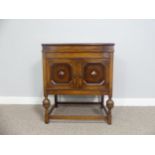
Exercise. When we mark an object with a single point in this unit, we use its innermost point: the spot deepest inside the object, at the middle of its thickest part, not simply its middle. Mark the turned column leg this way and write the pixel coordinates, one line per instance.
(109, 105)
(46, 105)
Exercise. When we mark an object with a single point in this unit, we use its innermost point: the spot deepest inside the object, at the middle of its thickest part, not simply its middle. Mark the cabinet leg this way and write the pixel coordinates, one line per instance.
(102, 101)
(109, 105)
(46, 105)
(56, 100)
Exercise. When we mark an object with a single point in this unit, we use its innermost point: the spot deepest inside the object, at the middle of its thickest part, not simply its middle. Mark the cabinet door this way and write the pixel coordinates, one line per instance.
(60, 73)
(95, 74)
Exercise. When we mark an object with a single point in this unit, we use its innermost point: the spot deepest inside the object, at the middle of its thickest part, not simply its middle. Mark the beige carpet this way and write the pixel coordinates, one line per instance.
(28, 119)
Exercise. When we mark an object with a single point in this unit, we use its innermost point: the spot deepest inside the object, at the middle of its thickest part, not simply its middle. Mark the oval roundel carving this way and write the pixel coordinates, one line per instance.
(61, 73)
(94, 73)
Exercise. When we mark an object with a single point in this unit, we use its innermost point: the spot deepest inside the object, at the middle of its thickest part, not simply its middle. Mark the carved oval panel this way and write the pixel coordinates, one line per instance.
(94, 73)
(61, 73)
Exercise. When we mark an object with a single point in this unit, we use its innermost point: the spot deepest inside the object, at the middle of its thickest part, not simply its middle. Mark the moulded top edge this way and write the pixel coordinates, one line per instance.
(78, 44)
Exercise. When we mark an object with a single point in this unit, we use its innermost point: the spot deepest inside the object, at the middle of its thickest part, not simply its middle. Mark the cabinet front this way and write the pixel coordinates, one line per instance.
(83, 74)
(60, 73)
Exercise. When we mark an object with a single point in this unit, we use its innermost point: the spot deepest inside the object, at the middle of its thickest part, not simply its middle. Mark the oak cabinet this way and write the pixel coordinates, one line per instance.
(78, 69)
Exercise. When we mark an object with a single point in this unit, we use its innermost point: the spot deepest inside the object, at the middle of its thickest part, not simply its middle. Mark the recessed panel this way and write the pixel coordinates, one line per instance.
(61, 73)
(94, 73)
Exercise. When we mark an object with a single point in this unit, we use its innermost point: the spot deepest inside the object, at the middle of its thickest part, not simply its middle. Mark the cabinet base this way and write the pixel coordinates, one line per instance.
(107, 117)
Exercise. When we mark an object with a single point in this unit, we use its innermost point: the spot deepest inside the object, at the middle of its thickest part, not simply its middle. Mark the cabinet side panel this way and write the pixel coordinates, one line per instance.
(44, 73)
(111, 75)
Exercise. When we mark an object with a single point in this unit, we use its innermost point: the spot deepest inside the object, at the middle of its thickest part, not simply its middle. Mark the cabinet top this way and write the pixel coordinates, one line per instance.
(79, 47)
(78, 44)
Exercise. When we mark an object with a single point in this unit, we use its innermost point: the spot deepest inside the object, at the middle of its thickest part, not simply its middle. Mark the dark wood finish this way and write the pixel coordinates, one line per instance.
(78, 69)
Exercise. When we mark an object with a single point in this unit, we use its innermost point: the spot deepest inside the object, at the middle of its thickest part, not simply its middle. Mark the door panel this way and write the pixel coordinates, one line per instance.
(60, 73)
(95, 73)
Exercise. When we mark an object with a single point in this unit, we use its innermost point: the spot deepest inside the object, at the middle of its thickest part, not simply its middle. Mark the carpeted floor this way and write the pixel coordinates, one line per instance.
(28, 120)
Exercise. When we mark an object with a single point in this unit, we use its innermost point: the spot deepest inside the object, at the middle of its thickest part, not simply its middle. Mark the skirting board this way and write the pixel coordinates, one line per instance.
(118, 101)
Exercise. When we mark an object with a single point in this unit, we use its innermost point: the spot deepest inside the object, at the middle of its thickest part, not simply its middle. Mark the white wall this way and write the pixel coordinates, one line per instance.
(20, 53)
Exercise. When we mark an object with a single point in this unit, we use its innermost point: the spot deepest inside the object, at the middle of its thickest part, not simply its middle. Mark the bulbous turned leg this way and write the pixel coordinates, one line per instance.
(109, 105)
(46, 105)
